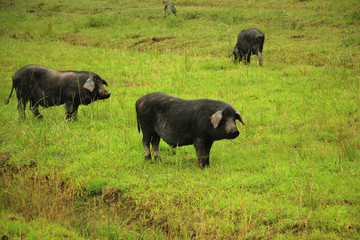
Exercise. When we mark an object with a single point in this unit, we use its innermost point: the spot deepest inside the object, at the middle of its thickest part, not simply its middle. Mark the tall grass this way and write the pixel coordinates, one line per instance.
(292, 173)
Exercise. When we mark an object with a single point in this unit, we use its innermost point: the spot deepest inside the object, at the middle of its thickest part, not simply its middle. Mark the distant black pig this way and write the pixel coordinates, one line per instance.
(249, 42)
(47, 87)
(184, 122)
(169, 7)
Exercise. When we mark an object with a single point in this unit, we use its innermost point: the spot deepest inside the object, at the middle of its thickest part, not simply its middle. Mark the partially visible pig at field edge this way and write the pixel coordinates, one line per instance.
(47, 87)
(169, 7)
(184, 122)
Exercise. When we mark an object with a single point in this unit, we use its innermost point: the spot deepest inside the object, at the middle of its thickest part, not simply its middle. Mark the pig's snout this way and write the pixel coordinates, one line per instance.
(231, 129)
(234, 133)
(107, 95)
(104, 94)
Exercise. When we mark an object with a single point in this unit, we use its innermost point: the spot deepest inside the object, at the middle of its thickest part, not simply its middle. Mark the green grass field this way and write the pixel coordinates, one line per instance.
(293, 173)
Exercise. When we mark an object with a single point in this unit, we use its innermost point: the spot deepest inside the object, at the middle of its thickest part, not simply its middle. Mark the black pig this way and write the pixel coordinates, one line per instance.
(184, 122)
(47, 87)
(169, 7)
(249, 42)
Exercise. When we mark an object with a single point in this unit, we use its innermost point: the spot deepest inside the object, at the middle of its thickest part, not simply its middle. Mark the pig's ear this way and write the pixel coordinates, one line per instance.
(216, 118)
(104, 82)
(238, 116)
(89, 85)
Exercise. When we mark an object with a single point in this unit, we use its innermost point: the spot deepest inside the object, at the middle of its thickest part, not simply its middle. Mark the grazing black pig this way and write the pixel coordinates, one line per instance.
(184, 122)
(169, 7)
(47, 87)
(249, 42)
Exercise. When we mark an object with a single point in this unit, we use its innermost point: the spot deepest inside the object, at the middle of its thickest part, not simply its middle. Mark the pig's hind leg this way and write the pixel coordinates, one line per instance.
(155, 145)
(146, 143)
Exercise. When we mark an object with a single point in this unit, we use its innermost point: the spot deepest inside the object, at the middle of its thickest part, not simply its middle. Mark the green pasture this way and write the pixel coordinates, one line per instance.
(293, 172)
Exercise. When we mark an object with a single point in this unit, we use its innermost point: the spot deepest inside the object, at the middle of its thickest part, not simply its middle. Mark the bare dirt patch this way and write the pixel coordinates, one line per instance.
(153, 40)
(297, 36)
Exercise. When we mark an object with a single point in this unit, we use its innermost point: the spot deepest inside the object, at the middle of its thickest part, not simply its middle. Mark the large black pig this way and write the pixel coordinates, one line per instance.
(47, 87)
(184, 122)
